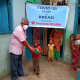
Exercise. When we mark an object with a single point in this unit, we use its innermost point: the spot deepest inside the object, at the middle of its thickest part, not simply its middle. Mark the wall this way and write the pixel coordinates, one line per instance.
(4, 56)
(18, 14)
(69, 30)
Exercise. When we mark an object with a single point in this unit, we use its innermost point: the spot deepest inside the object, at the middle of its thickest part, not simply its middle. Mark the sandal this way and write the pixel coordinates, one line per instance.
(26, 74)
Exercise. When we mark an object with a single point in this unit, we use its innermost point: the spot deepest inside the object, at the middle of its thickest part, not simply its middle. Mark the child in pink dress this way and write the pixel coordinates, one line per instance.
(74, 51)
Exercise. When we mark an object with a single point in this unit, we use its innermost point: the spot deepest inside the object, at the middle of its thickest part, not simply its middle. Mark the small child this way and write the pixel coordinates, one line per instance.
(77, 43)
(72, 43)
(74, 52)
(50, 50)
(77, 39)
(35, 58)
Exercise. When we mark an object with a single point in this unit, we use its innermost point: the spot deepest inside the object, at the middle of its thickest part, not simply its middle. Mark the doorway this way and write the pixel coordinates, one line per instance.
(49, 30)
(78, 29)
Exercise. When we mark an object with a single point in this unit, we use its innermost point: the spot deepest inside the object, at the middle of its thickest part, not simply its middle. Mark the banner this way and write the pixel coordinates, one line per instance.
(47, 16)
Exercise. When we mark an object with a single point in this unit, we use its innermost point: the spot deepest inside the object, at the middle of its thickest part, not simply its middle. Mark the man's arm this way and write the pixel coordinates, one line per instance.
(25, 43)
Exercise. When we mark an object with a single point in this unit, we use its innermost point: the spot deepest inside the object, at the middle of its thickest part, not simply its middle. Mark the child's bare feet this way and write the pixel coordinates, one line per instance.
(34, 73)
(72, 69)
(53, 62)
(77, 69)
(57, 61)
(39, 76)
(48, 61)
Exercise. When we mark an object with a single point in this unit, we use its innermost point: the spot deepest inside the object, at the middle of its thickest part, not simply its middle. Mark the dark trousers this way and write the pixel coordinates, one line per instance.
(36, 65)
(16, 66)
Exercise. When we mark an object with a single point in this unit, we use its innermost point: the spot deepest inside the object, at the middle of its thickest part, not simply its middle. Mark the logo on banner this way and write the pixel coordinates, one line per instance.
(33, 22)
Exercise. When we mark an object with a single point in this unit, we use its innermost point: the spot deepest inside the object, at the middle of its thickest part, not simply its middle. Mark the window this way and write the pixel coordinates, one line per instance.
(55, 2)
(6, 22)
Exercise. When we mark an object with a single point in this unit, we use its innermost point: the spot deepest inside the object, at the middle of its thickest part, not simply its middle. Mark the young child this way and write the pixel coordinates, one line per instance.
(78, 46)
(50, 50)
(72, 43)
(35, 58)
(74, 52)
(77, 39)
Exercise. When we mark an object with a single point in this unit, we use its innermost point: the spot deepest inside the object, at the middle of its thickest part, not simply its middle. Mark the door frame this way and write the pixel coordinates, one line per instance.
(30, 43)
(76, 19)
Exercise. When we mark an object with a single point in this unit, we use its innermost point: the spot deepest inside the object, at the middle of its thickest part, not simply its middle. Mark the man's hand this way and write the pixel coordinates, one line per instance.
(32, 50)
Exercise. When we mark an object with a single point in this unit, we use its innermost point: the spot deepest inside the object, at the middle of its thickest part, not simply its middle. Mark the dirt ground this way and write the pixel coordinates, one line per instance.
(48, 71)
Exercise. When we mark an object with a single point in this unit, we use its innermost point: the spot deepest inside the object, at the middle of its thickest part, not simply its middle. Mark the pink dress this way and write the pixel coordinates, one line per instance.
(75, 54)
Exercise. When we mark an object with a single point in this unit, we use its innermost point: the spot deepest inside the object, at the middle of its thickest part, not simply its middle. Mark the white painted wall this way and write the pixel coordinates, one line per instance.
(71, 1)
(18, 11)
(69, 30)
(4, 56)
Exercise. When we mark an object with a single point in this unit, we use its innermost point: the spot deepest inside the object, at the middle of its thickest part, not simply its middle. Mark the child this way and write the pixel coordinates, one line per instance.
(74, 52)
(72, 43)
(35, 58)
(78, 46)
(77, 39)
(50, 50)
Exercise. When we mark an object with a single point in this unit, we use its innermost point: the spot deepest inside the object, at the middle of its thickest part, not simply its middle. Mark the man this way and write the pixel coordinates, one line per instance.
(18, 41)
(56, 35)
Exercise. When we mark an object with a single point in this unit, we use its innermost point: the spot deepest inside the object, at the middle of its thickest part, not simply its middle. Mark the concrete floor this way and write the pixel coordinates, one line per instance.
(48, 71)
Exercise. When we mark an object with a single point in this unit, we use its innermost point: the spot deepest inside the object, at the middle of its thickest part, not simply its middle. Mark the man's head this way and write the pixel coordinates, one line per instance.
(25, 23)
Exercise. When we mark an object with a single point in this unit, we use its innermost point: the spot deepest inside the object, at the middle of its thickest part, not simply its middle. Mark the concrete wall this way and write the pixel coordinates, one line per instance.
(69, 30)
(18, 14)
(4, 56)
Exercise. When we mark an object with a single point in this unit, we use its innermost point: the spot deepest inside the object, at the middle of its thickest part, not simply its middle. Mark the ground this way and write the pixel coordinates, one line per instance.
(48, 71)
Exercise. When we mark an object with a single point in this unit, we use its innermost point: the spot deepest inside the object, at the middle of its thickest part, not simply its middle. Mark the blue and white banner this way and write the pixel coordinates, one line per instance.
(47, 16)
